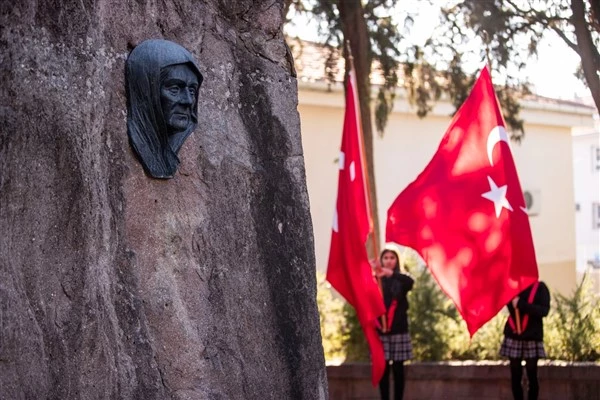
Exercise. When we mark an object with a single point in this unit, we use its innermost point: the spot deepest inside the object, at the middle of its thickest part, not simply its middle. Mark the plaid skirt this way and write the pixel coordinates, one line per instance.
(397, 347)
(522, 349)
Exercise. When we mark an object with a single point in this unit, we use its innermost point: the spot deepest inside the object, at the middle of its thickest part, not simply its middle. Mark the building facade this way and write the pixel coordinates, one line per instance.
(544, 162)
(586, 180)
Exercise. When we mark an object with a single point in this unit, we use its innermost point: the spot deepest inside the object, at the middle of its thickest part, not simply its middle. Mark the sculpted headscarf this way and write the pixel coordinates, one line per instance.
(146, 125)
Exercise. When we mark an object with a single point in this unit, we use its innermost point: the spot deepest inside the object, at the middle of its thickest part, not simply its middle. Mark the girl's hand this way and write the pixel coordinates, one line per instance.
(376, 267)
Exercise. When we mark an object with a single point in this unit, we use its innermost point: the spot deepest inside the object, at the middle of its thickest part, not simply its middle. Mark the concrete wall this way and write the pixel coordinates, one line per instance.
(587, 194)
(468, 381)
(544, 162)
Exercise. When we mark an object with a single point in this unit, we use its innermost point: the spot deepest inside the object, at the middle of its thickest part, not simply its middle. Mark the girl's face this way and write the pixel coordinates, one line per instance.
(389, 260)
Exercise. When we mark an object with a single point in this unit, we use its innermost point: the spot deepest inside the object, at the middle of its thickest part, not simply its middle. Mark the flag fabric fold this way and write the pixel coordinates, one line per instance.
(348, 269)
(465, 213)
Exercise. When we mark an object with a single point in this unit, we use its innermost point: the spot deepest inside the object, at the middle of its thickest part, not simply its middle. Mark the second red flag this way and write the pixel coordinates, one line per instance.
(465, 213)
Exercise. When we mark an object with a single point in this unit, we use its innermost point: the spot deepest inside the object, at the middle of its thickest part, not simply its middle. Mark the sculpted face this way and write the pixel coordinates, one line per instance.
(163, 80)
(178, 91)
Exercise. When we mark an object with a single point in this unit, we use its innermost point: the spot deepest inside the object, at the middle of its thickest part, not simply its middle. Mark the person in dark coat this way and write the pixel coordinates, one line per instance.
(395, 284)
(524, 337)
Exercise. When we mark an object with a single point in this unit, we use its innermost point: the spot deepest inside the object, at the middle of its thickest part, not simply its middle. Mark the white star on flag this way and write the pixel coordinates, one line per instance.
(497, 195)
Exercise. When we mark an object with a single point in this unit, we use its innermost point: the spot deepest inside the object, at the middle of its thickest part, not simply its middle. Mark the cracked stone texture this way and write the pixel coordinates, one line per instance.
(117, 286)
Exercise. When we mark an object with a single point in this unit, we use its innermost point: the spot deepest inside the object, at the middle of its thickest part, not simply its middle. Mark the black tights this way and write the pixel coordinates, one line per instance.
(384, 386)
(516, 375)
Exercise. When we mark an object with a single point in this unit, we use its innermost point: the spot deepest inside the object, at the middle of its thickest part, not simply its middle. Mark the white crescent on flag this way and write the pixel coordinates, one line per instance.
(497, 135)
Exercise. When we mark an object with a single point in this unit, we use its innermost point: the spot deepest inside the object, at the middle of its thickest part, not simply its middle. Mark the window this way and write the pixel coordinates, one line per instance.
(596, 216)
(595, 262)
(595, 158)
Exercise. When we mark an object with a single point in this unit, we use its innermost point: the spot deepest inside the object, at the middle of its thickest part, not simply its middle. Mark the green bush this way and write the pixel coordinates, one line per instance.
(333, 320)
(572, 330)
(354, 342)
(431, 315)
(485, 344)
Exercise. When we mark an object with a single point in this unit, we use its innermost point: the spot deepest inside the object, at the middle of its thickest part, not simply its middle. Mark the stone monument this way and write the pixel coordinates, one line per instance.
(117, 285)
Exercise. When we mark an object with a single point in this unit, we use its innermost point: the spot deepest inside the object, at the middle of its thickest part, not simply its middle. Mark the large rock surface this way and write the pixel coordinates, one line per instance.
(114, 285)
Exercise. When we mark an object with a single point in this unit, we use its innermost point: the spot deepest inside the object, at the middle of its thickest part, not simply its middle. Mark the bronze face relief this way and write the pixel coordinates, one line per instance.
(163, 80)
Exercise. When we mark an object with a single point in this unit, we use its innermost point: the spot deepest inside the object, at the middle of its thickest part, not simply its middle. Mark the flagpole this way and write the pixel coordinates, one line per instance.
(367, 183)
(488, 61)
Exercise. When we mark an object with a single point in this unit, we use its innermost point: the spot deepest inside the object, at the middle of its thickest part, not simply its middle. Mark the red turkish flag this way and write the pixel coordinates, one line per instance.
(465, 213)
(349, 270)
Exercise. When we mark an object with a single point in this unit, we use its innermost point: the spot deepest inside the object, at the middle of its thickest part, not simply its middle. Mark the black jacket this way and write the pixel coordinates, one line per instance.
(396, 287)
(535, 311)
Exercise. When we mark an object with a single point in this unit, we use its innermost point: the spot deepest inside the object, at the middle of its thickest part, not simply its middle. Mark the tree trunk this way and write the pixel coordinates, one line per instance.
(590, 57)
(114, 285)
(595, 14)
(355, 31)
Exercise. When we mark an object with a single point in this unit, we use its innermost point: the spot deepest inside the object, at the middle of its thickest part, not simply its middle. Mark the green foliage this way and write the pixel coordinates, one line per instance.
(354, 342)
(484, 345)
(423, 78)
(430, 313)
(421, 82)
(384, 39)
(573, 329)
(459, 83)
(508, 34)
(439, 333)
(333, 320)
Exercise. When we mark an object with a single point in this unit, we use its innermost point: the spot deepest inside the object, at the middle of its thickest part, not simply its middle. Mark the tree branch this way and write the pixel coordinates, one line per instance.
(587, 50)
(568, 41)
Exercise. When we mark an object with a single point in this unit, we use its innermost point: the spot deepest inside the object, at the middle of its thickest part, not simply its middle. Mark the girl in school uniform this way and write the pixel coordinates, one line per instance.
(395, 283)
(524, 337)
